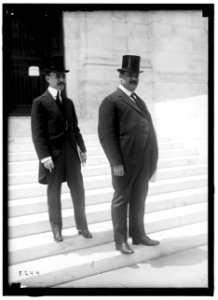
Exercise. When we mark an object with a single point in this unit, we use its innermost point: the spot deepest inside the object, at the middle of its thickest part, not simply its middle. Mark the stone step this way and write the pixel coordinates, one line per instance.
(26, 145)
(38, 222)
(31, 177)
(88, 138)
(104, 181)
(29, 206)
(96, 155)
(160, 214)
(61, 268)
(27, 139)
(33, 165)
(186, 269)
(27, 150)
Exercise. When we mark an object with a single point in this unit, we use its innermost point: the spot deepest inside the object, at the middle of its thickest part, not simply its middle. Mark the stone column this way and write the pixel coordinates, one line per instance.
(74, 24)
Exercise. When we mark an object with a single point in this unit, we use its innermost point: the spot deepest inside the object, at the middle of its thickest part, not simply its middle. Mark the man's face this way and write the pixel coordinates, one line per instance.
(56, 80)
(130, 80)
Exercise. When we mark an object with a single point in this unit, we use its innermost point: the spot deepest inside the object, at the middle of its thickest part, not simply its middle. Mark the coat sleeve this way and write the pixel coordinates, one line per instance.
(38, 130)
(108, 131)
(77, 133)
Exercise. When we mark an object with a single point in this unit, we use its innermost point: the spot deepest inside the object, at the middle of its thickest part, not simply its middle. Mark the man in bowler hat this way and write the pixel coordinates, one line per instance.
(60, 148)
(127, 135)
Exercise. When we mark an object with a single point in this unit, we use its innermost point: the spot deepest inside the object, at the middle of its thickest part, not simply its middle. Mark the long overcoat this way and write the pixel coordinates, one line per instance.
(50, 129)
(126, 132)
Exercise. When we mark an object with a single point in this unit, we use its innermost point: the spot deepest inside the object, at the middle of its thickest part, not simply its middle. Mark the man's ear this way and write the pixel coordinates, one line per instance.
(47, 78)
(120, 77)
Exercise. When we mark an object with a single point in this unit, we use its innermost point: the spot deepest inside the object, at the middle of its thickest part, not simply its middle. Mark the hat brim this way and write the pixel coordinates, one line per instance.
(129, 70)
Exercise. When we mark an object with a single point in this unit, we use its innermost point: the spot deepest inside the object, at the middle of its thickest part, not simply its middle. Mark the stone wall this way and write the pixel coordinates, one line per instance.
(94, 45)
(179, 54)
(173, 46)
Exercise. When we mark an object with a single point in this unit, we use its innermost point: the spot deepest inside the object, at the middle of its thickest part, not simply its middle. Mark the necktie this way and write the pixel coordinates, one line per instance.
(58, 100)
(60, 104)
(133, 96)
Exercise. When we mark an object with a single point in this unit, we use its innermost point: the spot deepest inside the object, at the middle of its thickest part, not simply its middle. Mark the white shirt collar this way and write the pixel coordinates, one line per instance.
(53, 92)
(125, 90)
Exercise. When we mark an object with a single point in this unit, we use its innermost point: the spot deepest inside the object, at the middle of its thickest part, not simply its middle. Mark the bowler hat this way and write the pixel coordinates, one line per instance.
(54, 64)
(130, 63)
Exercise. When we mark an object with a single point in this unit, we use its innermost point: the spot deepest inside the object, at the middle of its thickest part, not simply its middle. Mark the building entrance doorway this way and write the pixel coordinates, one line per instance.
(30, 34)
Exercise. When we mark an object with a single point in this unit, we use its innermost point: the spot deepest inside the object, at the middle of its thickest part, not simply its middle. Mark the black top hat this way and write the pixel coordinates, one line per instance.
(54, 64)
(130, 64)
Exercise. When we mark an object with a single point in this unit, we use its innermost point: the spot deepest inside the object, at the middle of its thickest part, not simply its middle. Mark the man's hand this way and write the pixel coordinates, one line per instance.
(83, 157)
(49, 165)
(154, 176)
(118, 170)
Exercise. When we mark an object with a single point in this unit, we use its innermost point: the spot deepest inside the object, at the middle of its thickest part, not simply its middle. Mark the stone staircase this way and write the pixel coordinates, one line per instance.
(176, 214)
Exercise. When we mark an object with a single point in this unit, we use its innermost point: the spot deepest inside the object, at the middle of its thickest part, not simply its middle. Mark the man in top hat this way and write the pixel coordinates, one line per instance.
(129, 141)
(60, 148)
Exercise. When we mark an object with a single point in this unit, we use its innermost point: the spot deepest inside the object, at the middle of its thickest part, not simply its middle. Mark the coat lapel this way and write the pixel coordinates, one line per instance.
(143, 107)
(67, 110)
(52, 105)
(128, 101)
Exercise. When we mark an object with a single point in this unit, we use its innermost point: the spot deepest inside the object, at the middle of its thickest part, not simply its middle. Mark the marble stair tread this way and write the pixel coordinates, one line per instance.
(98, 154)
(66, 199)
(100, 177)
(163, 173)
(103, 187)
(26, 138)
(103, 166)
(57, 269)
(32, 200)
(27, 151)
(92, 167)
(38, 217)
(87, 137)
(150, 217)
(33, 224)
(166, 162)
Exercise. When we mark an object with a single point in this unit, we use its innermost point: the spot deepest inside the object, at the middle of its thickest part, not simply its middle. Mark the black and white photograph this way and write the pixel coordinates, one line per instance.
(108, 149)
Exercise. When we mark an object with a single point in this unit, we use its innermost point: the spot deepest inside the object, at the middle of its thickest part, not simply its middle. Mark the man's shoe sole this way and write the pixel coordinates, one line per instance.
(124, 252)
(86, 236)
(146, 244)
(58, 240)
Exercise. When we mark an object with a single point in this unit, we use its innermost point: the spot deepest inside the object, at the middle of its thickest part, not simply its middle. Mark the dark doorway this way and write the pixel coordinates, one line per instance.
(30, 33)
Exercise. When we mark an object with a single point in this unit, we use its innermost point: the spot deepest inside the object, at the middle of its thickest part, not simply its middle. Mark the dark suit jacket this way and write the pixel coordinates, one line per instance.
(126, 131)
(50, 129)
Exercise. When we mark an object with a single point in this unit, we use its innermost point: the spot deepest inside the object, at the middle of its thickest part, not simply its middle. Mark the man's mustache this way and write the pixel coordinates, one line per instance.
(61, 83)
(134, 81)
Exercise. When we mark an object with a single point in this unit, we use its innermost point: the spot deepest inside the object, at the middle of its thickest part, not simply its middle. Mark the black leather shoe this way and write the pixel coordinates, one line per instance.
(57, 236)
(145, 240)
(124, 248)
(85, 233)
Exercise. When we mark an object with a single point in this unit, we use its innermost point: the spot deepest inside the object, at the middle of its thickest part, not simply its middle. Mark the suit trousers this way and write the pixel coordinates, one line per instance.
(130, 191)
(67, 166)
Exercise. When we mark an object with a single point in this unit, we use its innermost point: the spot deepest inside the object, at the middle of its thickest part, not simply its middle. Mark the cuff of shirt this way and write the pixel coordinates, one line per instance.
(45, 159)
